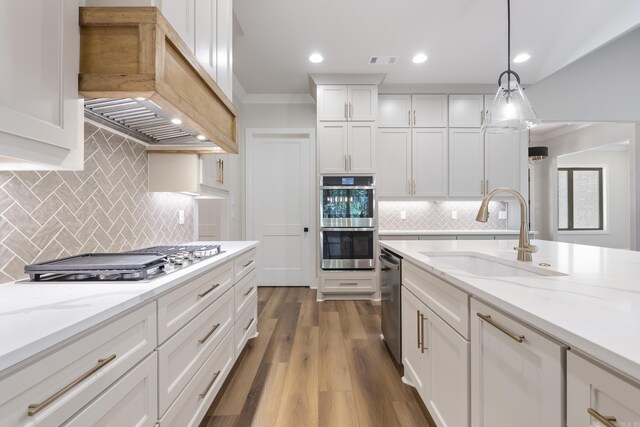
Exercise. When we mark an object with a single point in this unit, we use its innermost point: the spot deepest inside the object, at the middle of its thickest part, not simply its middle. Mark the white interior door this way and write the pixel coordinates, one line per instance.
(278, 201)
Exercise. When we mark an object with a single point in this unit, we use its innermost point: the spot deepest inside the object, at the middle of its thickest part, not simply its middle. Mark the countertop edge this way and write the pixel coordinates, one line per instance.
(451, 232)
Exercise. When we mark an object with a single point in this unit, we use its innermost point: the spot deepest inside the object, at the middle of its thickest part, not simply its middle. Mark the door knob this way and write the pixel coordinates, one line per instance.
(306, 229)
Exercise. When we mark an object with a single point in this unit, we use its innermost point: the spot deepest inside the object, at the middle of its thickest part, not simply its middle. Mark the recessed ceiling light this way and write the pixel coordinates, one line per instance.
(523, 57)
(140, 98)
(419, 58)
(201, 137)
(176, 121)
(316, 58)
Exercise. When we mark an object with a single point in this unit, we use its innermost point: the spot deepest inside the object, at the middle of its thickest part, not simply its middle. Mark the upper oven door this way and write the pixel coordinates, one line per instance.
(347, 207)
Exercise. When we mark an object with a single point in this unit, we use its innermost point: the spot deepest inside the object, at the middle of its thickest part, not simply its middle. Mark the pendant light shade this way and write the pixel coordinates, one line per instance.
(511, 111)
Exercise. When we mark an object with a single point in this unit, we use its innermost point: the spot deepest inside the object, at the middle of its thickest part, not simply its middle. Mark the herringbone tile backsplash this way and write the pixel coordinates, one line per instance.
(422, 215)
(104, 208)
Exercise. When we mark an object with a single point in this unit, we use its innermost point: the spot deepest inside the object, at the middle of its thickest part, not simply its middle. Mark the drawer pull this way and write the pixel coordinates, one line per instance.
(606, 421)
(418, 328)
(215, 376)
(422, 348)
(348, 284)
(247, 264)
(205, 293)
(34, 408)
(248, 292)
(250, 323)
(206, 337)
(489, 320)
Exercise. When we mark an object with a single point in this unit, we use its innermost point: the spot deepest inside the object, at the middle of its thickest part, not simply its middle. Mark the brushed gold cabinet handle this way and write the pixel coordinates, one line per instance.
(348, 284)
(34, 408)
(409, 113)
(418, 328)
(486, 186)
(507, 332)
(215, 376)
(248, 292)
(250, 323)
(205, 293)
(206, 337)
(346, 110)
(222, 162)
(607, 421)
(247, 264)
(414, 117)
(422, 347)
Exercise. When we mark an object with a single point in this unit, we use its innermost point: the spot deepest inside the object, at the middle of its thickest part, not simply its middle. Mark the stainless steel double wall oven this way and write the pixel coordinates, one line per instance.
(347, 222)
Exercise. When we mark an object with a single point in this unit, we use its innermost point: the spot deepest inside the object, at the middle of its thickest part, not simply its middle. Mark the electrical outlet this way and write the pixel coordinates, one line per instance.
(502, 215)
(454, 214)
(181, 216)
(403, 214)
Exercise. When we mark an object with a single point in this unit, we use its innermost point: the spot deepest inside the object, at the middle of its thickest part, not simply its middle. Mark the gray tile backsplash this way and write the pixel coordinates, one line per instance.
(104, 208)
(431, 215)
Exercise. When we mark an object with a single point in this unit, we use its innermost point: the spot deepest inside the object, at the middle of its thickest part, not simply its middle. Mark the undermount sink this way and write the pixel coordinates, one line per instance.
(483, 265)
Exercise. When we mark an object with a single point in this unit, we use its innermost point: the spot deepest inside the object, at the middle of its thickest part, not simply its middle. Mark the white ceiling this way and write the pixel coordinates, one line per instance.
(464, 39)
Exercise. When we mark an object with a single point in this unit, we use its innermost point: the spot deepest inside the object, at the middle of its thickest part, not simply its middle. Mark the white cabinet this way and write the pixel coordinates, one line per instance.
(412, 110)
(415, 162)
(414, 358)
(505, 160)
(215, 170)
(224, 46)
(466, 111)
(181, 16)
(516, 373)
(206, 35)
(593, 392)
(466, 166)
(346, 147)
(347, 102)
(41, 122)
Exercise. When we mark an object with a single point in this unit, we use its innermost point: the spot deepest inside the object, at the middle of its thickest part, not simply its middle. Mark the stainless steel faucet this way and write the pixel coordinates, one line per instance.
(525, 249)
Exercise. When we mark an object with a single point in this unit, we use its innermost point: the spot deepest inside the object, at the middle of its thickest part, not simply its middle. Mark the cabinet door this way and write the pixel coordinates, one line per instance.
(504, 155)
(394, 111)
(466, 165)
(332, 147)
(40, 114)
(447, 391)
(332, 103)
(590, 387)
(430, 162)
(465, 111)
(430, 111)
(513, 380)
(224, 57)
(363, 102)
(393, 146)
(488, 104)
(361, 148)
(206, 40)
(413, 354)
(181, 16)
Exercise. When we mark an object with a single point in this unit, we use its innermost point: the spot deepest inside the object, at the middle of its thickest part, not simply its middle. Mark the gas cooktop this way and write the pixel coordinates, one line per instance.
(140, 264)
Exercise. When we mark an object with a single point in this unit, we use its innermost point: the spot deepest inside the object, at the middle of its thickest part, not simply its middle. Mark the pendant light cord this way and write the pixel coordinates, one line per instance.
(509, 46)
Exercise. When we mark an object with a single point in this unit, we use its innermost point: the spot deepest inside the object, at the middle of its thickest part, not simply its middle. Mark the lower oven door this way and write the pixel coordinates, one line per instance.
(347, 248)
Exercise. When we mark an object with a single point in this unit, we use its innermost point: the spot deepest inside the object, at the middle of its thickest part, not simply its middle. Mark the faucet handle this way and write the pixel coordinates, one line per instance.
(527, 248)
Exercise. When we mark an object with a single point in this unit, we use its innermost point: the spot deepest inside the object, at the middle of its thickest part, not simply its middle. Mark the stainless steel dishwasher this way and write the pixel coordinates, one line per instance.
(390, 282)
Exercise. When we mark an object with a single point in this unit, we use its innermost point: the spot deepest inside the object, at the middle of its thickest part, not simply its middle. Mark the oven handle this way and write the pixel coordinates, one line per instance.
(346, 187)
(347, 229)
(387, 262)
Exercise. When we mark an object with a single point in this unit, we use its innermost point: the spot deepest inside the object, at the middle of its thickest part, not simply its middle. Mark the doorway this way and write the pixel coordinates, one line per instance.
(280, 202)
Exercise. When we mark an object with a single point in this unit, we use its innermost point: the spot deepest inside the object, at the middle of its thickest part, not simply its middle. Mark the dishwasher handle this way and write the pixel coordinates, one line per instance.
(388, 262)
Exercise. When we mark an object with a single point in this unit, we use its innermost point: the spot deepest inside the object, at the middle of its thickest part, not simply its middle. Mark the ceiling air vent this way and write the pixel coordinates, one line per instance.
(383, 60)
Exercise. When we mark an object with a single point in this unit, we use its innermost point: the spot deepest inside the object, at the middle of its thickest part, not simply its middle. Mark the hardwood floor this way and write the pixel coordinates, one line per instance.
(315, 364)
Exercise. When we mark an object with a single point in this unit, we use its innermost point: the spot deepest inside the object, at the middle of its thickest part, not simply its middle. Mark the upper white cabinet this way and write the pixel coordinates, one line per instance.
(346, 147)
(594, 394)
(429, 162)
(505, 161)
(347, 102)
(516, 373)
(182, 17)
(412, 111)
(41, 124)
(466, 111)
(206, 36)
(394, 173)
(466, 166)
(224, 43)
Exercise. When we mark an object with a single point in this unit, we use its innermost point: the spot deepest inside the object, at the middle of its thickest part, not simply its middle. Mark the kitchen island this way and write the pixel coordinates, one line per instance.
(574, 305)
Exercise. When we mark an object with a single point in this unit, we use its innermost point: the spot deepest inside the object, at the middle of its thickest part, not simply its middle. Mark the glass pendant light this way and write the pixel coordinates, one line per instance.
(511, 111)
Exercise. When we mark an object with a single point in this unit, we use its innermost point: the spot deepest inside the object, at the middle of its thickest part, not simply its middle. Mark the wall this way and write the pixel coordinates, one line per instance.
(431, 215)
(104, 208)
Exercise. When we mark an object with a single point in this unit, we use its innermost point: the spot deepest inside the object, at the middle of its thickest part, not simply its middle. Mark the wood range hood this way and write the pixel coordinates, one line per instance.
(133, 56)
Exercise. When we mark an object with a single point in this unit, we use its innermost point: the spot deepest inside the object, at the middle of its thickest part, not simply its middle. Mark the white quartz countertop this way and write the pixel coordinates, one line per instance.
(36, 316)
(595, 308)
(449, 232)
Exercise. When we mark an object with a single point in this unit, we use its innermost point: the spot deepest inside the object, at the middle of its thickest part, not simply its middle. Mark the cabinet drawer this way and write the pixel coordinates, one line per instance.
(194, 401)
(244, 292)
(131, 401)
(246, 326)
(348, 285)
(86, 366)
(244, 264)
(447, 301)
(591, 387)
(183, 304)
(182, 355)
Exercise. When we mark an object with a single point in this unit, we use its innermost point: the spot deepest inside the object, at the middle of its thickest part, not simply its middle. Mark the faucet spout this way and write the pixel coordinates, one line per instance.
(525, 249)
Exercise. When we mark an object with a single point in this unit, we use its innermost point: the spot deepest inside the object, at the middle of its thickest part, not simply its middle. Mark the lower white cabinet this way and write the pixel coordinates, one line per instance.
(414, 358)
(594, 395)
(516, 373)
(131, 401)
(246, 326)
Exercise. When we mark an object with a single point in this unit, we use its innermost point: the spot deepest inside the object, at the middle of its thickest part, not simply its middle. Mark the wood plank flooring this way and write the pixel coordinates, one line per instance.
(315, 364)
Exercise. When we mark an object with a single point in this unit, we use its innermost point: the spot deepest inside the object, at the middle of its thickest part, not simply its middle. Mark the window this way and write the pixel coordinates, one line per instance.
(580, 199)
